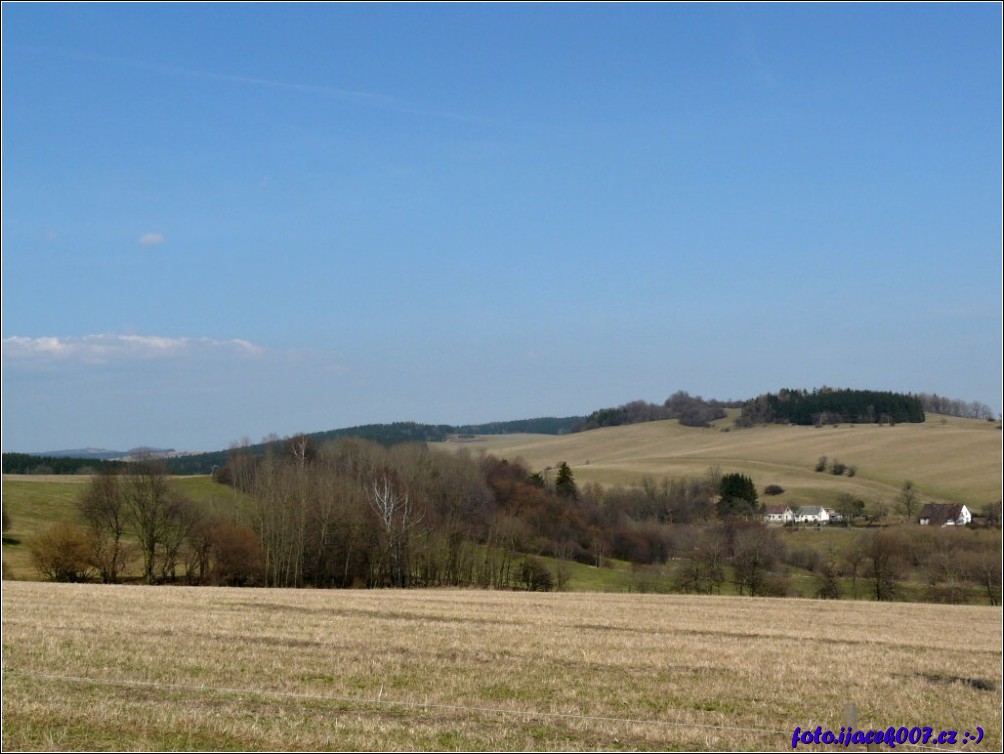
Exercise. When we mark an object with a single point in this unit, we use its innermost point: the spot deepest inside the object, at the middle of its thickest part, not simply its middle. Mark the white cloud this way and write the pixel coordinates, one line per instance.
(149, 240)
(107, 347)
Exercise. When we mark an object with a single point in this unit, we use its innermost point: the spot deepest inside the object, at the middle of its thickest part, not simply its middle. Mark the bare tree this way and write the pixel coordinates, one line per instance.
(983, 568)
(279, 517)
(397, 517)
(147, 498)
(181, 518)
(884, 563)
(756, 551)
(854, 558)
(908, 499)
(103, 507)
(704, 570)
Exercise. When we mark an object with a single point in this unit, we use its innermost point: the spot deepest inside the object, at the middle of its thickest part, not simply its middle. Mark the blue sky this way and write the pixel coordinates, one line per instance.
(221, 221)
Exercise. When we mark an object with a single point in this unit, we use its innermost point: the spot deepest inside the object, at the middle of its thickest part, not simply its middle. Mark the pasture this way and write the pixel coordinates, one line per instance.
(36, 502)
(947, 459)
(128, 667)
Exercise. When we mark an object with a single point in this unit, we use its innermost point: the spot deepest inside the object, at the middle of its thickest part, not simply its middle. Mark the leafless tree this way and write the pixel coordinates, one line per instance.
(279, 517)
(908, 499)
(103, 507)
(756, 551)
(182, 517)
(703, 569)
(884, 562)
(397, 518)
(147, 500)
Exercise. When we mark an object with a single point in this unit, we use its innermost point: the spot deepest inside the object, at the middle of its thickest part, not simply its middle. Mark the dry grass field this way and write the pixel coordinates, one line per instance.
(93, 667)
(946, 458)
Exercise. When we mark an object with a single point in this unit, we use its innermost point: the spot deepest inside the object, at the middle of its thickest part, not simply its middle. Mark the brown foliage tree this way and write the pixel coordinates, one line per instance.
(63, 553)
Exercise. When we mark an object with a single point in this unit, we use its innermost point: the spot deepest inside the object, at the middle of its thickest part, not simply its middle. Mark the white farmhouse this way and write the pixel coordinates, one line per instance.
(945, 514)
(778, 514)
(811, 514)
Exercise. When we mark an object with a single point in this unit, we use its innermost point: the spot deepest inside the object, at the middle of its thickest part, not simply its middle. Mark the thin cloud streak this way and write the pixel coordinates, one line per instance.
(368, 99)
(149, 240)
(105, 348)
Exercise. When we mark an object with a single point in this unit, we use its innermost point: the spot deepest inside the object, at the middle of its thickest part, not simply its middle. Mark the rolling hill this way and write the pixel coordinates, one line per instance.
(947, 458)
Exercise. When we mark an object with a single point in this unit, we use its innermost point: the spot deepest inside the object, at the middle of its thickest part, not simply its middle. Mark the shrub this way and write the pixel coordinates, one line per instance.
(804, 557)
(237, 556)
(774, 585)
(63, 553)
(773, 489)
(535, 576)
(838, 468)
(821, 464)
(829, 589)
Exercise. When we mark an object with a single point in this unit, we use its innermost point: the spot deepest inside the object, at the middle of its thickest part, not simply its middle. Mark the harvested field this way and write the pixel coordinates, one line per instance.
(122, 667)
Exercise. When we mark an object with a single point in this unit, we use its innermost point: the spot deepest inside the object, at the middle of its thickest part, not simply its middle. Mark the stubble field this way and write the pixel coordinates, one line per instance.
(124, 667)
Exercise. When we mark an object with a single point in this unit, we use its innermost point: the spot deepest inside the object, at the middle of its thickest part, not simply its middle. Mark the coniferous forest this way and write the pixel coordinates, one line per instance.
(831, 406)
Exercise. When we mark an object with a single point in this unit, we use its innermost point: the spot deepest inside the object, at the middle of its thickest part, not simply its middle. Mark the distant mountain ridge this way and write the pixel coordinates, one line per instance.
(67, 461)
(101, 454)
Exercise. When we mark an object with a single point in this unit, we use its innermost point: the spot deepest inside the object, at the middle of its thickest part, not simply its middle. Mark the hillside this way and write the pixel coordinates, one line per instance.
(947, 458)
(384, 434)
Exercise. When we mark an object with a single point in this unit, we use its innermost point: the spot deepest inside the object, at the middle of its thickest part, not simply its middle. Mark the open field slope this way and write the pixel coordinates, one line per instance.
(96, 667)
(36, 502)
(946, 458)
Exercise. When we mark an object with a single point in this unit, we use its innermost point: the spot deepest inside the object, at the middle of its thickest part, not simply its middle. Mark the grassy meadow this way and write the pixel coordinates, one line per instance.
(129, 667)
(36, 502)
(947, 459)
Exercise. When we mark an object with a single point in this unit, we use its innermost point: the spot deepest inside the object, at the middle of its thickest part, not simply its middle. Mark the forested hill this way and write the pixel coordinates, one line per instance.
(387, 434)
(831, 406)
(690, 411)
(24, 463)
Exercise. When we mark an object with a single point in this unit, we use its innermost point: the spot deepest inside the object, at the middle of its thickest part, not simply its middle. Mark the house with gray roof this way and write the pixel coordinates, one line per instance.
(945, 514)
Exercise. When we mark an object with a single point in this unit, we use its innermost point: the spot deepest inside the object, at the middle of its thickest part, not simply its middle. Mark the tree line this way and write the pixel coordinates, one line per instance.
(353, 513)
(690, 411)
(25, 463)
(939, 404)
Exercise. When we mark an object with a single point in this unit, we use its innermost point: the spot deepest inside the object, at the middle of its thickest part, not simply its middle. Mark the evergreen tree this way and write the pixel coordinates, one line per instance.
(564, 484)
(737, 496)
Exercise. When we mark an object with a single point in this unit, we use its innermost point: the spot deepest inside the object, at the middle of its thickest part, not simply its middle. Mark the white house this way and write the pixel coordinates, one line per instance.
(945, 514)
(811, 514)
(778, 514)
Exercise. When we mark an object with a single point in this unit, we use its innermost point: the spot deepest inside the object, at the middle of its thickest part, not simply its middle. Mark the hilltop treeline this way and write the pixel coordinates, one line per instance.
(831, 406)
(691, 411)
(939, 404)
(24, 463)
(387, 435)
